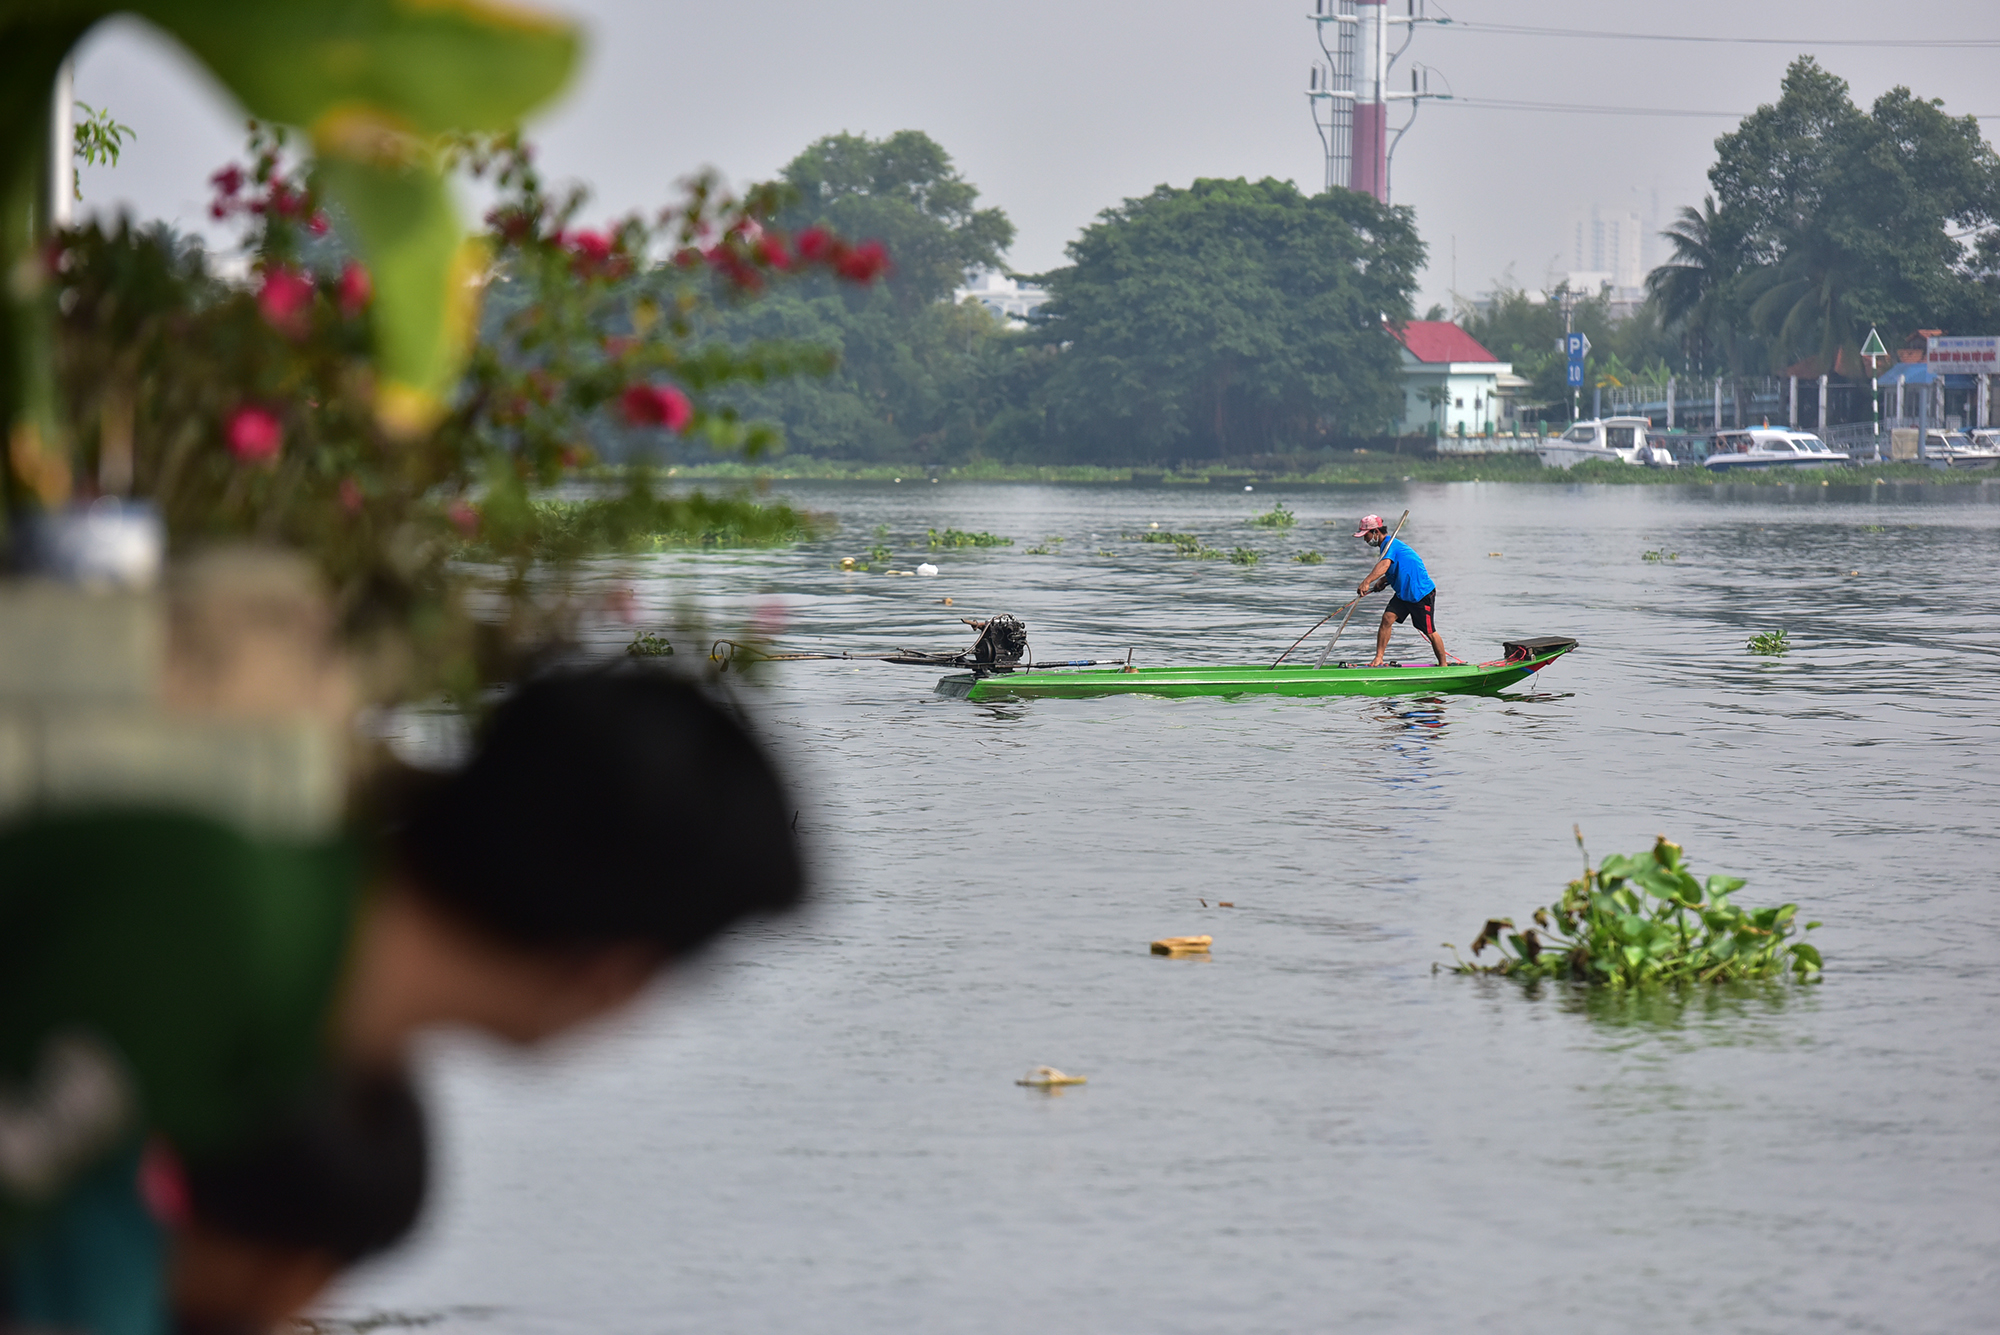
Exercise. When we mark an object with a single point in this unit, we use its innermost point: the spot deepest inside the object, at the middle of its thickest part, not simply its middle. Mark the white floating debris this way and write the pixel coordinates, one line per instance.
(1249, 488)
(926, 568)
(1048, 1077)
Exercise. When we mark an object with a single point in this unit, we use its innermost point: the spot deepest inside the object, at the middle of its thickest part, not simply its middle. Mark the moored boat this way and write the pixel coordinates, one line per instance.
(1956, 449)
(1522, 658)
(1761, 447)
(1617, 440)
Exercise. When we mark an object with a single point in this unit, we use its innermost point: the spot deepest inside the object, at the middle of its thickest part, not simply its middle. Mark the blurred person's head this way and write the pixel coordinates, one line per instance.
(608, 822)
(259, 1231)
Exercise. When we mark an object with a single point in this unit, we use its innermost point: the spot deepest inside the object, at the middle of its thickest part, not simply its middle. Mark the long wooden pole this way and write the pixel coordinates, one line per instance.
(1329, 616)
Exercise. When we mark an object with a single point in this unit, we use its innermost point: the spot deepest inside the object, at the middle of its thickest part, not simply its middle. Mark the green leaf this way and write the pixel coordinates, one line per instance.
(423, 270)
(1725, 885)
(426, 66)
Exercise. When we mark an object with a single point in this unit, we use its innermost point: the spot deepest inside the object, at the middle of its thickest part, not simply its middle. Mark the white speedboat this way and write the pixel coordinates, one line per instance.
(1956, 449)
(1618, 440)
(1761, 447)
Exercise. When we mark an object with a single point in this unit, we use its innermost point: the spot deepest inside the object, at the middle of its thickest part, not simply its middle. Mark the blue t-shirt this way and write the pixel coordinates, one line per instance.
(1407, 575)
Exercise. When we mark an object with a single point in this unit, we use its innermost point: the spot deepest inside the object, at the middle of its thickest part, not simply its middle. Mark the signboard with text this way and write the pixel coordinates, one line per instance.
(1974, 355)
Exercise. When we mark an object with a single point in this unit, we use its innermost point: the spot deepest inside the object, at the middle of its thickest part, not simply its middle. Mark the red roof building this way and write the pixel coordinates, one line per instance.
(1432, 341)
(1451, 384)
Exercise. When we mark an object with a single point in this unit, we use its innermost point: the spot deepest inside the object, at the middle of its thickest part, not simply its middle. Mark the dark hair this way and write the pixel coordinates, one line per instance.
(341, 1170)
(607, 806)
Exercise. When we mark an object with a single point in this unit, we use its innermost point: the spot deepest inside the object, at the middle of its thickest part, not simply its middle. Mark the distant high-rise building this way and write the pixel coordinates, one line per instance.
(1607, 246)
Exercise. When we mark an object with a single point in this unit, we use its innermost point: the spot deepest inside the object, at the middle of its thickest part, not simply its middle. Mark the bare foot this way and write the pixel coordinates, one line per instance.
(1376, 663)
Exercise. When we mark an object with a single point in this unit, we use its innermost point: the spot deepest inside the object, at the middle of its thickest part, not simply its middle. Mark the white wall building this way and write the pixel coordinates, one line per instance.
(1011, 300)
(1451, 384)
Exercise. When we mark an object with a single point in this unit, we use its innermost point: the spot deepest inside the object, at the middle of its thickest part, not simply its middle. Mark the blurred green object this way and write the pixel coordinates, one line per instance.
(374, 83)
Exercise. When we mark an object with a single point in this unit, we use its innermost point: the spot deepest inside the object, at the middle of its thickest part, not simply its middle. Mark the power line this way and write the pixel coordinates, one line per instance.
(1501, 104)
(1575, 108)
(1902, 43)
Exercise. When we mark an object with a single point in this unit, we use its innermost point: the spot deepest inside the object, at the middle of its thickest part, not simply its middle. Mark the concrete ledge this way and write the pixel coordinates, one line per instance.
(283, 779)
(59, 646)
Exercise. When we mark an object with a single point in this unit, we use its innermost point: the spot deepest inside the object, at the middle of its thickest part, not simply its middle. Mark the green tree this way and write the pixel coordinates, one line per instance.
(916, 377)
(1229, 317)
(905, 192)
(1838, 218)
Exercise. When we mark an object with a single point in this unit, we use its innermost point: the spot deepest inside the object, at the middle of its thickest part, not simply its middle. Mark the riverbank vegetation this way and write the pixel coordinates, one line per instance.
(1646, 919)
(1332, 469)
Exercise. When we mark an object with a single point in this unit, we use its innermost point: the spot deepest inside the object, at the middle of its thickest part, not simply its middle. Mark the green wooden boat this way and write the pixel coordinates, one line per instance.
(1523, 658)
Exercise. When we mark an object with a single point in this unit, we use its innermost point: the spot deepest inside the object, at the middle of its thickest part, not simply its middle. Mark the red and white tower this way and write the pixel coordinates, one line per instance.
(1350, 95)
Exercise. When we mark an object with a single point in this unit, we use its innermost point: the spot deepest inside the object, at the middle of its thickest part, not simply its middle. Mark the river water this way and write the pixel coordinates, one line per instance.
(817, 1129)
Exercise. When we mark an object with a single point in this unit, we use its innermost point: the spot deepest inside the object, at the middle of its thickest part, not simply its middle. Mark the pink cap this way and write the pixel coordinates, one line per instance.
(1369, 523)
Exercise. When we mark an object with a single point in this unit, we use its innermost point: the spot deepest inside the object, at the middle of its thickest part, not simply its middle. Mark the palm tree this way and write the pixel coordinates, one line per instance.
(1806, 303)
(1696, 287)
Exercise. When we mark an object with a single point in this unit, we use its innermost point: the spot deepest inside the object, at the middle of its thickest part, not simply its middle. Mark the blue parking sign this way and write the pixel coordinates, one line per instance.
(1576, 372)
(1578, 345)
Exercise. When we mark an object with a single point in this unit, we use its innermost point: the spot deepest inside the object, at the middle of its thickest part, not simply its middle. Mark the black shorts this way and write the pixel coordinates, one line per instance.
(1421, 614)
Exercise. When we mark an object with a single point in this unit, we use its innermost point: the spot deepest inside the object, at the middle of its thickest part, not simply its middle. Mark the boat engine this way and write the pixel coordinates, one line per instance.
(1002, 640)
(1002, 643)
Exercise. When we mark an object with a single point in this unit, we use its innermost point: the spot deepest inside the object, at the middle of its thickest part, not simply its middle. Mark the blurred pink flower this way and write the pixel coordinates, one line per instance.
(355, 289)
(814, 244)
(254, 435)
(284, 300)
(656, 405)
(865, 263)
(772, 247)
(463, 518)
(350, 496)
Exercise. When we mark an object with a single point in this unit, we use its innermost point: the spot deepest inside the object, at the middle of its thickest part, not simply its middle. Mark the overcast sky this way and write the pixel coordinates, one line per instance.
(1057, 109)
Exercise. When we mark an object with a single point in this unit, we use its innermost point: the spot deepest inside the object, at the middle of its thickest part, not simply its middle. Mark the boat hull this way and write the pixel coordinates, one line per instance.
(1250, 679)
(1732, 463)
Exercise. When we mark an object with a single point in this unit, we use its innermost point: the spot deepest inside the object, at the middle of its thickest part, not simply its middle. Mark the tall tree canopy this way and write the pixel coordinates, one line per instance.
(1230, 317)
(905, 192)
(1827, 219)
(916, 377)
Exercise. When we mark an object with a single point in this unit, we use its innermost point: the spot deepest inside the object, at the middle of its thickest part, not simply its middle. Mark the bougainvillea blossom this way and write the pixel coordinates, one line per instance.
(464, 518)
(254, 435)
(865, 263)
(656, 405)
(284, 299)
(356, 289)
(814, 244)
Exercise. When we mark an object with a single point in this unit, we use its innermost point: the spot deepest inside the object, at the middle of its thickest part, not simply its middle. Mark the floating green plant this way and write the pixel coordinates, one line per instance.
(954, 537)
(1050, 546)
(1242, 556)
(1184, 544)
(1309, 558)
(1770, 642)
(1658, 555)
(1646, 919)
(645, 644)
(1276, 517)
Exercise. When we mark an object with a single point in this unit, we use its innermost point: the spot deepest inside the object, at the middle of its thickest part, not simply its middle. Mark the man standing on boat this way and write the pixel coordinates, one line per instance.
(1416, 592)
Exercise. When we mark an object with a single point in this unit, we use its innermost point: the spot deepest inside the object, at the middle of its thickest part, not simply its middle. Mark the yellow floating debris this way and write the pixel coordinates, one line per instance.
(1183, 945)
(847, 563)
(1493, 553)
(1225, 903)
(1048, 1077)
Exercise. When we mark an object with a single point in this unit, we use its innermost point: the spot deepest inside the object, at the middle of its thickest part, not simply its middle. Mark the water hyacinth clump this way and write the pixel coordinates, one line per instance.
(953, 537)
(1772, 642)
(1645, 919)
(1276, 517)
(1309, 558)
